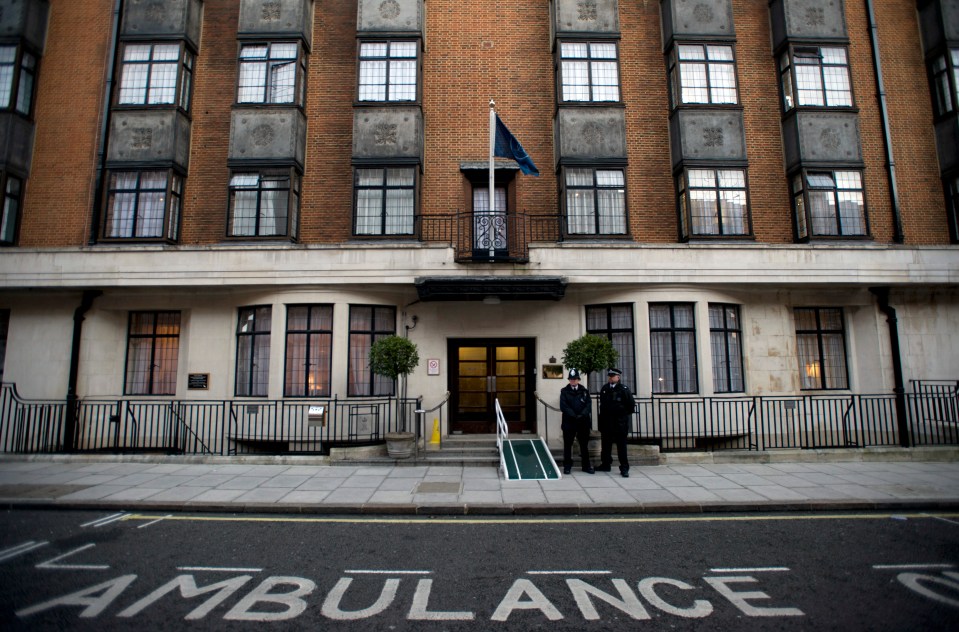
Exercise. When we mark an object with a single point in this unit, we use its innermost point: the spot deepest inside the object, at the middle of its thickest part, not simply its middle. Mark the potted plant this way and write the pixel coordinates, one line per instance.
(395, 357)
(590, 354)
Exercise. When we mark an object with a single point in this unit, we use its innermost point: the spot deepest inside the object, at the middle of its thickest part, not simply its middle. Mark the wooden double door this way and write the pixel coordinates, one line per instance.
(483, 370)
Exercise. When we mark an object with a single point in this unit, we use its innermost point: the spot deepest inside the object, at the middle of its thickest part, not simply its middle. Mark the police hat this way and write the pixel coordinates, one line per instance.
(613, 372)
(573, 374)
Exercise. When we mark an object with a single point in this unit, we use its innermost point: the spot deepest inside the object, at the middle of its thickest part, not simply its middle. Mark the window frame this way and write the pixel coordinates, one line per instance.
(385, 188)
(325, 389)
(156, 338)
(4, 334)
(182, 87)
(627, 365)
(260, 339)
(725, 330)
(589, 60)
(674, 71)
(595, 188)
(789, 85)
(801, 189)
(21, 53)
(265, 174)
(816, 365)
(417, 64)
(172, 193)
(944, 83)
(299, 76)
(672, 330)
(684, 204)
(8, 225)
(377, 384)
(951, 186)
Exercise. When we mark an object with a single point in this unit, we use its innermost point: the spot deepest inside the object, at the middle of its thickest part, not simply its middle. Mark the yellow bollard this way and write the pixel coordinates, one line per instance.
(435, 439)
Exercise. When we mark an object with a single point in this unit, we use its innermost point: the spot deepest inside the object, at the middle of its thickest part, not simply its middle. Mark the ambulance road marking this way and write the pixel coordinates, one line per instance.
(219, 569)
(143, 526)
(907, 567)
(758, 569)
(524, 521)
(99, 522)
(52, 564)
(569, 572)
(20, 549)
(385, 572)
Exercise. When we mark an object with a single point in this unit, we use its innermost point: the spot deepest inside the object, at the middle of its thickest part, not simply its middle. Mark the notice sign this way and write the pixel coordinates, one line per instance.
(433, 366)
(198, 381)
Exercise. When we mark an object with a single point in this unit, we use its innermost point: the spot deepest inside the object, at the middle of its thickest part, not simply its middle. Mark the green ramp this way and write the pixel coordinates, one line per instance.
(528, 460)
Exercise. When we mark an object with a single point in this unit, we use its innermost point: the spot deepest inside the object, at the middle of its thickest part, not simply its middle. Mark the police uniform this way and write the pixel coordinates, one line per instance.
(575, 403)
(616, 406)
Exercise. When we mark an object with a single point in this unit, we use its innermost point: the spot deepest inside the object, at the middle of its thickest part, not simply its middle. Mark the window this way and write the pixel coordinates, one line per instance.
(595, 201)
(821, 345)
(831, 203)
(952, 206)
(18, 75)
(712, 202)
(725, 341)
(309, 345)
(264, 204)
(143, 205)
(271, 73)
(385, 201)
(367, 325)
(672, 337)
(614, 322)
(253, 351)
(388, 71)
(815, 76)
(156, 74)
(701, 73)
(153, 346)
(945, 82)
(12, 201)
(589, 71)
(4, 329)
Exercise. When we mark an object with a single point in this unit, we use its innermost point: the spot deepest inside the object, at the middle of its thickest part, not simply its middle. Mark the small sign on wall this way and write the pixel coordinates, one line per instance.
(433, 366)
(198, 381)
(552, 371)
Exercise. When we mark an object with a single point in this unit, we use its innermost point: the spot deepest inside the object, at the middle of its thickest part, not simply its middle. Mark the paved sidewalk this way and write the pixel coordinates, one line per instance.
(292, 485)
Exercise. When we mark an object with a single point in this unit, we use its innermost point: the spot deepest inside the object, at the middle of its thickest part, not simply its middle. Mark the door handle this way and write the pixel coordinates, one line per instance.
(494, 384)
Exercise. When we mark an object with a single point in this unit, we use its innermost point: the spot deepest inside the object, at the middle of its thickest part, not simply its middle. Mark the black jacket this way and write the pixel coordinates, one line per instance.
(576, 407)
(616, 406)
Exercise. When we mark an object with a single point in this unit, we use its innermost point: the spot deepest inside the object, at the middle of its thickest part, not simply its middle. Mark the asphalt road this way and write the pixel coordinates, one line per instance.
(98, 571)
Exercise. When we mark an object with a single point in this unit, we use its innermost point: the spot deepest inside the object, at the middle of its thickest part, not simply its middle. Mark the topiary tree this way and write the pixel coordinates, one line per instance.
(589, 354)
(394, 357)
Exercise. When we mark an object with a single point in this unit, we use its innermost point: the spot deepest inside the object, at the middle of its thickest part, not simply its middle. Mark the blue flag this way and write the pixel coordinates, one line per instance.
(506, 146)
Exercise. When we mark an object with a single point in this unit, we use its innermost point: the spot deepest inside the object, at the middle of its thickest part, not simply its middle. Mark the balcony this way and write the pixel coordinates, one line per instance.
(490, 237)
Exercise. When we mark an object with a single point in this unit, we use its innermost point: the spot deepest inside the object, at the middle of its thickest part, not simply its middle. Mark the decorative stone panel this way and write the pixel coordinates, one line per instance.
(268, 135)
(947, 140)
(173, 19)
(388, 133)
(820, 20)
(160, 137)
(822, 139)
(277, 18)
(16, 143)
(707, 135)
(696, 19)
(939, 22)
(25, 20)
(576, 17)
(590, 134)
(390, 16)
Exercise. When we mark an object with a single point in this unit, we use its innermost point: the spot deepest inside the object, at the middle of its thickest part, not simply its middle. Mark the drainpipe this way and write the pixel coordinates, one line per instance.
(70, 424)
(105, 122)
(897, 236)
(902, 424)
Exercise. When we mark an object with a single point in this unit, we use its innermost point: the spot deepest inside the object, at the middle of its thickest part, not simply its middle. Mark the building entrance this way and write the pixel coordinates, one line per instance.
(483, 370)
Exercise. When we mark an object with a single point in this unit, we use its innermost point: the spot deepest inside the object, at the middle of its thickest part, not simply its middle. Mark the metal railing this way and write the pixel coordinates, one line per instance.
(227, 427)
(421, 427)
(490, 237)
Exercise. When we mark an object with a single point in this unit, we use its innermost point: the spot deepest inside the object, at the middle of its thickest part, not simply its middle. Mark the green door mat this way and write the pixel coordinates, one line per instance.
(528, 459)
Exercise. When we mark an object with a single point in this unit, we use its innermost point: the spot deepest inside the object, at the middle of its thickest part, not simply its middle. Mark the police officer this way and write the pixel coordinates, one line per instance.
(616, 406)
(575, 403)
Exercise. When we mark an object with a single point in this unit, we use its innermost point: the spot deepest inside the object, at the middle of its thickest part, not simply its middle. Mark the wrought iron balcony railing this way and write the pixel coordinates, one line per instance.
(490, 237)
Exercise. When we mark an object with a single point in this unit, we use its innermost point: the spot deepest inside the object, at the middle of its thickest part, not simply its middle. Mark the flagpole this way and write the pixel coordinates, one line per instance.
(491, 207)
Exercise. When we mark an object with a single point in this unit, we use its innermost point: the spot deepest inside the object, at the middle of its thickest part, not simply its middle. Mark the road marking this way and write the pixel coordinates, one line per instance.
(941, 518)
(384, 572)
(569, 572)
(525, 521)
(142, 526)
(20, 549)
(222, 569)
(906, 567)
(73, 567)
(756, 569)
(99, 522)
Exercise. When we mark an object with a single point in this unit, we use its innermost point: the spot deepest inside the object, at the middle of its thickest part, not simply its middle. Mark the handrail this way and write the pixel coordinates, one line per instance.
(545, 403)
(178, 417)
(422, 424)
(502, 434)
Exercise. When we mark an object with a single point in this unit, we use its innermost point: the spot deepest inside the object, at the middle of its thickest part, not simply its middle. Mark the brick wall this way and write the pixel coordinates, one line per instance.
(475, 51)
